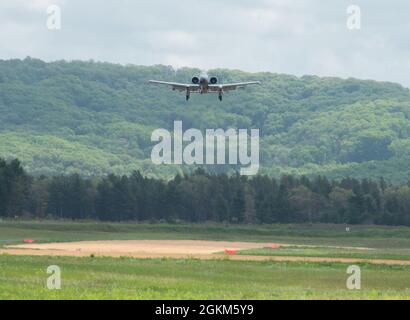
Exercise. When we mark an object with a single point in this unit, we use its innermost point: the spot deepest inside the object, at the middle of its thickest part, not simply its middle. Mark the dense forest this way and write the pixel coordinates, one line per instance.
(202, 196)
(97, 118)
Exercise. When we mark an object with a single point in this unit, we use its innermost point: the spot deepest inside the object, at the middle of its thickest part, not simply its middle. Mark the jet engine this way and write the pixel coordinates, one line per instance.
(213, 80)
(195, 80)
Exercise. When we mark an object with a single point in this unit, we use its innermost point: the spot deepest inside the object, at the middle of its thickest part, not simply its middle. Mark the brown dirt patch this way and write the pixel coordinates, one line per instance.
(135, 248)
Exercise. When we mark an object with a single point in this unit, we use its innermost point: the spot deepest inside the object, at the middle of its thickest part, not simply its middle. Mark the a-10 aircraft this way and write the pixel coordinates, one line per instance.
(205, 84)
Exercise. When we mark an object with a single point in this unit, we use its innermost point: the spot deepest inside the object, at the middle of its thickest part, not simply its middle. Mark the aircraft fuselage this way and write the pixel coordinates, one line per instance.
(204, 83)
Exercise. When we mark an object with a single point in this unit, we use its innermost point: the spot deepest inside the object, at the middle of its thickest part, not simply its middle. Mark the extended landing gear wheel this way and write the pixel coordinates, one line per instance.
(220, 96)
(188, 95)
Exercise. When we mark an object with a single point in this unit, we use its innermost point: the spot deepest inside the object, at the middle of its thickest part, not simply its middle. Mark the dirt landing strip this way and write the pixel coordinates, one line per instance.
(145, 249)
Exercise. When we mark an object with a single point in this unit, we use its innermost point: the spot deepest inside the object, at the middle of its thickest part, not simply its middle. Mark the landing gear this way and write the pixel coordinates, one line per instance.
(188, 95)
(220, 95)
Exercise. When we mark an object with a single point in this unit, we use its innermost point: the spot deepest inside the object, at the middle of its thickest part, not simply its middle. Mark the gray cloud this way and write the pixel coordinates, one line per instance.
(285, 36)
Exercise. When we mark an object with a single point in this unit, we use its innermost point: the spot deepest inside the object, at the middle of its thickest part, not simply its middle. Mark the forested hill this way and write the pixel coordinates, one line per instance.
(97, 118)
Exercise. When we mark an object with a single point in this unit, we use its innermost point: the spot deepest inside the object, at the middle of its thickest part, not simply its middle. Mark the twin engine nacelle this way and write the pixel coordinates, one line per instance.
(212, 80)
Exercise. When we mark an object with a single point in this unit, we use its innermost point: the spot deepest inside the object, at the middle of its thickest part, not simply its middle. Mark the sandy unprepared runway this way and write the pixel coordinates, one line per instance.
(145, 249)
(134, 248)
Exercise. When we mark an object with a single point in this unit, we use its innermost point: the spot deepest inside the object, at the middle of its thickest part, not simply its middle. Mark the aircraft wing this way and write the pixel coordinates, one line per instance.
(232, 86)
(177, 86)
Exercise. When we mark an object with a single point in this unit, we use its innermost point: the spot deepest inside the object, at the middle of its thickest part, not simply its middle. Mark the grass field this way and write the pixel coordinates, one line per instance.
(329, 235)
(306, 251)
(124, 278)
(24, 277)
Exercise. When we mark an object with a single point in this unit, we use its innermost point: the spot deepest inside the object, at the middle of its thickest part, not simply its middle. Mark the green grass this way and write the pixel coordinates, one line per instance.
(303, 251)
(126, 278)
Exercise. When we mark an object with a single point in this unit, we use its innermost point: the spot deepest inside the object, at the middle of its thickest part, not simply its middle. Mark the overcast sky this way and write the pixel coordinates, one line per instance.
(284, 36)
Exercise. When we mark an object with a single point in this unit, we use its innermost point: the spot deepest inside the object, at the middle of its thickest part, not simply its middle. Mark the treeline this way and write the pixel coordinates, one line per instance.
(201, 197)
